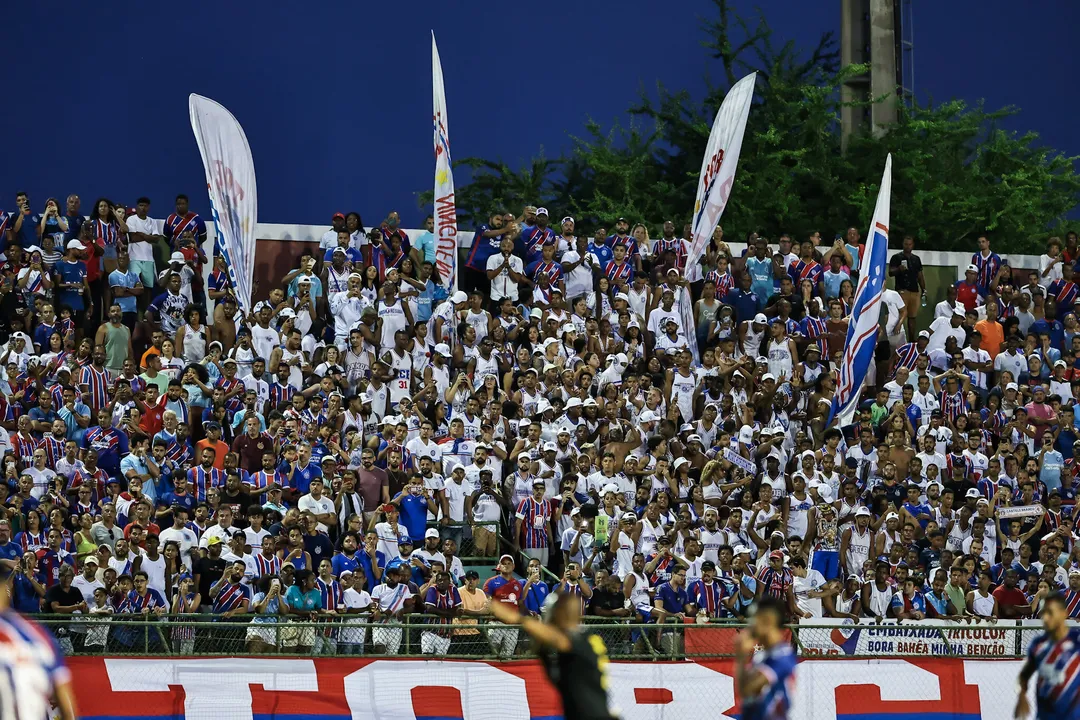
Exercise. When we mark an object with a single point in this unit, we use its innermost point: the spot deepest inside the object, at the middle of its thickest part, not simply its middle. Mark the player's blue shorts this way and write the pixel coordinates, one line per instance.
(826, 562)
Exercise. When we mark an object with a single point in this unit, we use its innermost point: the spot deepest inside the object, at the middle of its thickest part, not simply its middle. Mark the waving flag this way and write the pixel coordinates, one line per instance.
(863, 327)
(714, 185)
(230, 179)
(445, 206)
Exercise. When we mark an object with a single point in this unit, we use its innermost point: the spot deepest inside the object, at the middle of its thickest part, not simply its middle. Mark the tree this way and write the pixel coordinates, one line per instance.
(956, 173)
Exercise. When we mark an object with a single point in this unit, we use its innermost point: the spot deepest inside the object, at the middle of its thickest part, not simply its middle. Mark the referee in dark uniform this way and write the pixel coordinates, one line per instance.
(575, 660)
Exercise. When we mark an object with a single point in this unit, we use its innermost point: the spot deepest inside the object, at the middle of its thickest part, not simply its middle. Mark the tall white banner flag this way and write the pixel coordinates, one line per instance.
(718, 166)
(445, 210)
(714, 186)
(230, 180)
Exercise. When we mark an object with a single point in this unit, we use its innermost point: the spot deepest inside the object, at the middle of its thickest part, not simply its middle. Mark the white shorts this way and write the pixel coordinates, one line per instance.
(433, 644)
(388, 637)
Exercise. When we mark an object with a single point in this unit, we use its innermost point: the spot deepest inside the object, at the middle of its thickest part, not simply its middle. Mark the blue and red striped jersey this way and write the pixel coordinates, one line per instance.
(177, 225)
(231, 597)
(534, 518)
(1057, 663)
(97, 383)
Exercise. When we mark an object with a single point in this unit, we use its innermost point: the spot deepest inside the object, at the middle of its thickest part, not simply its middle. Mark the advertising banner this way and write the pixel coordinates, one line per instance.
(304, 688)
(908, 638)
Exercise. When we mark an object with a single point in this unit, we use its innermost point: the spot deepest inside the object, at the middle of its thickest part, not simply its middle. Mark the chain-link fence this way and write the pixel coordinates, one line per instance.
(429, 636)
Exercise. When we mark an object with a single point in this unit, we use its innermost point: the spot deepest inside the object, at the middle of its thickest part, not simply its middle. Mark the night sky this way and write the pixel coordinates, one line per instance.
(336, 98)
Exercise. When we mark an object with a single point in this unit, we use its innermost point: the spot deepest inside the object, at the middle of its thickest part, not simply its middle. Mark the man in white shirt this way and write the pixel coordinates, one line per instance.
(943, 328)
(577, 265)
(347, 309)
(808, 586)
(925, 399)
(88, 581)
(329, 238)
(319, 505)
(505, 271)
(897, 317)
(183, 536)
(224, 529)
(455, 490)
(977, 361)
(237, 553)
(430, 552)
(256, 380)
(143, 232)
(423, 446)
(1012, 359)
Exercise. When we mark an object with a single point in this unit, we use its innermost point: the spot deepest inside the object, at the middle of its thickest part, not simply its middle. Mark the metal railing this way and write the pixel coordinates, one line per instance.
(430, 636)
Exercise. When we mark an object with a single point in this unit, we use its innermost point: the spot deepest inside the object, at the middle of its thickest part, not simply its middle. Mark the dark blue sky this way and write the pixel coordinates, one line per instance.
(336, 97)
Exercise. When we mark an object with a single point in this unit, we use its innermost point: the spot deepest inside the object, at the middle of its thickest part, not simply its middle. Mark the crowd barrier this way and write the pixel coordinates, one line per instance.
(420, 636)
(257, 688)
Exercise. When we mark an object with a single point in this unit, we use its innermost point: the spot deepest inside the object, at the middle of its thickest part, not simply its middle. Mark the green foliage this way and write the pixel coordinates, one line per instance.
(956, 173)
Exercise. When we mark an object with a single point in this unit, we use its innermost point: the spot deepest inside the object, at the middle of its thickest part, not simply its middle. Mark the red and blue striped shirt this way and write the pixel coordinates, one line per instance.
(231, 597)
(97, 382)
(708, 597)
(177, 225)
(201, 479)
(534, 518)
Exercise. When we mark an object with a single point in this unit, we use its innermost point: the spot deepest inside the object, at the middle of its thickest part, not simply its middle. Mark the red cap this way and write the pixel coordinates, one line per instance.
(387, 507)
(338, 215)
(776, 555)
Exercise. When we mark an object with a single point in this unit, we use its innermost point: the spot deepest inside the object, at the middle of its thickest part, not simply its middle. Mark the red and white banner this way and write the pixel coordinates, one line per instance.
(445, 210)
(259, 688)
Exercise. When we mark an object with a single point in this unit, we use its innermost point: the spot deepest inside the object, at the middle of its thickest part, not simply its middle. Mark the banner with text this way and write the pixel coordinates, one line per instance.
(303, 688)
(714, 188)
(445, 210)
(230, 180)
(941, 638)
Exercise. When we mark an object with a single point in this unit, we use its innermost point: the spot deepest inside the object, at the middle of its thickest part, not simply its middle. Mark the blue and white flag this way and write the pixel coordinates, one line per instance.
(863, 327)
(230, 180)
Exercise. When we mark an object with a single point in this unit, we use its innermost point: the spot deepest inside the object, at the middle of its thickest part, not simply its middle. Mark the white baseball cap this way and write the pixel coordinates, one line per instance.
(459, 297)
(442, 349)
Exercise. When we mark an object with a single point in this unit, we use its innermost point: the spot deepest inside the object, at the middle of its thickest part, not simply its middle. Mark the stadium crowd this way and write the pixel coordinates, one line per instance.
(587, 411)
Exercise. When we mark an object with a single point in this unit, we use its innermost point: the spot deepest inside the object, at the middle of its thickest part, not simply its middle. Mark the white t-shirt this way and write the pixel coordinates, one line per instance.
(940, 330)
(264, 340)
(185, 537)
(801, 586)
(87, 587)
(142, 251)
(455, 497)
(254, 539)
(978, 377)
(579, 281)
(391, 599)
(322, 506)
(1054, 274)
(893, 304)
(503, 286)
